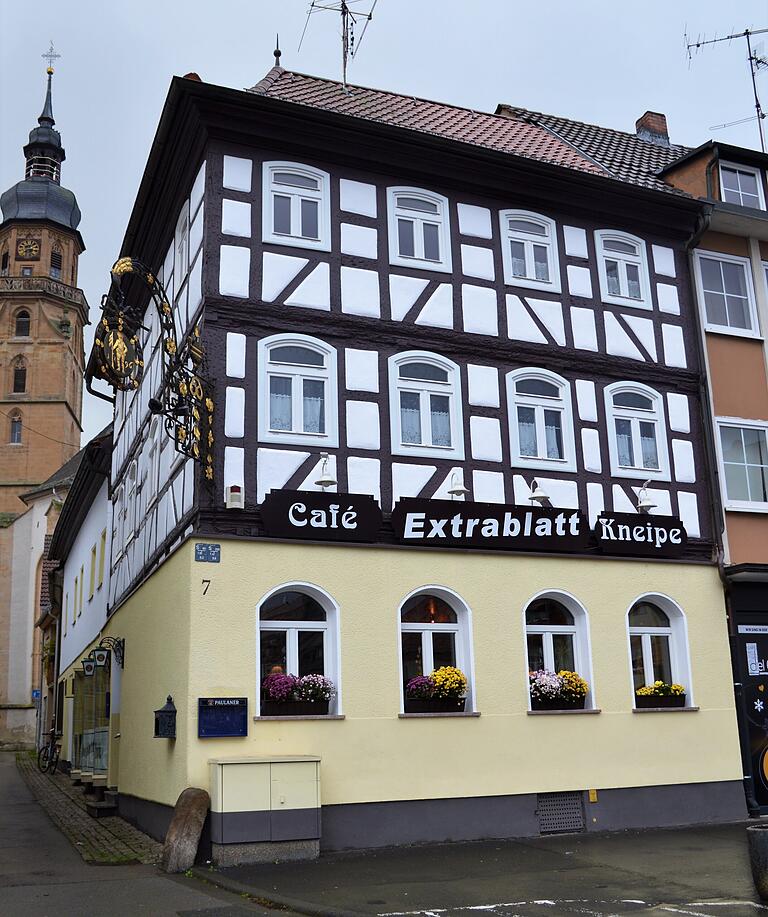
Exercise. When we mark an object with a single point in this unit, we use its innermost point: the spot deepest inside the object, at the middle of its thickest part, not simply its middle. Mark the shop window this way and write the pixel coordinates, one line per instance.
(637, 438)
(298, 635)
(425, 405)
(727, 293)
(16, 437)
(419, 231)
(541, 420)
(19, 376)
(623, 269)
(298, 391)
(296, 209)
(434, 632)
(529, 250)
(741, 185)
(22, 324)
(744, 457)
(658, 643)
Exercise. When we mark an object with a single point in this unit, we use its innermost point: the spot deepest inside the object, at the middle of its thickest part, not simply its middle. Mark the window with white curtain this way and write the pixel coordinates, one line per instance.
(425, 405)
(296, 206)
(298, 391)
(419, 232)
(540, 420)
(623, 268)
(637, 434)
(658, 644)
(529, 249)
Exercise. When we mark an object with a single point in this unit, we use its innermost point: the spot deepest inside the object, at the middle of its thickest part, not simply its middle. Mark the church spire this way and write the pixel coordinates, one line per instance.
(44, 152)
(46, 116)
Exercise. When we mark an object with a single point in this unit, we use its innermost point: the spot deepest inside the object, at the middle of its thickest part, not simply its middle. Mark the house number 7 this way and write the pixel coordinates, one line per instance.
(206, 586)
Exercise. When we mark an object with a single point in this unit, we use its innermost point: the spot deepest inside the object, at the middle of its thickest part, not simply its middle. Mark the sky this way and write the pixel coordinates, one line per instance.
(600, 61)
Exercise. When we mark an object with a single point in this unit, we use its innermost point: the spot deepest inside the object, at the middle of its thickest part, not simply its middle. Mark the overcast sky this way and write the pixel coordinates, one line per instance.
(600, 61)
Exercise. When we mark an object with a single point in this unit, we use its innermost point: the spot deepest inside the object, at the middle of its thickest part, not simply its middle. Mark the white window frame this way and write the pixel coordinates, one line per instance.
(679, 651)
(452, 389)
(118, 509)
(152, 480)
(758, 173)
(131, 501)
(754, 331)
(331, 638)
(601, 236)
(323, 196)
(744, 506)
(328, 374)
(181, 247)
(549, 242)
(462, 642)
(541, 403)
(442, 219)
(582, 646)
(636, 415)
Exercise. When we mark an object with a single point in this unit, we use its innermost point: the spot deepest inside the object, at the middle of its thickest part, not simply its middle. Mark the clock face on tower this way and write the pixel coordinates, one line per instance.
(28, 249)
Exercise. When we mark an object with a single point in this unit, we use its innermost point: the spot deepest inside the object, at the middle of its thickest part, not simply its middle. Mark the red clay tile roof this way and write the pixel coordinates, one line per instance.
(493, 132)
(48, 565)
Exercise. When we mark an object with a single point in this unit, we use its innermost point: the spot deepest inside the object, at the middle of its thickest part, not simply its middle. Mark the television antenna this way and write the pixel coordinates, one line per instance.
(350, 17)
(757, 61)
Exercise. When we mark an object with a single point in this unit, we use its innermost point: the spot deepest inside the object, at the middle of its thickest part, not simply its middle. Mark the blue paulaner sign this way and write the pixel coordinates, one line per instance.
(208, 553)
(221, 717)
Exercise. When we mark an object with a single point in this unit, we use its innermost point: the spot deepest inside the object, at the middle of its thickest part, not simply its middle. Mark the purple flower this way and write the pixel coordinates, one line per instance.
(420, 688)
(280, 687)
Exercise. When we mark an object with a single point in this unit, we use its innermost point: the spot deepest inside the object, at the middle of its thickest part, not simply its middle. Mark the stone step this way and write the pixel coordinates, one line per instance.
(100, 809)
(111, 796)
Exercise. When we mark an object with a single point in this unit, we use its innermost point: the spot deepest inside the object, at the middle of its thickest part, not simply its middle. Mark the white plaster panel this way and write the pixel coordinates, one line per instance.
(689, 513)
(590, 447)
(236, 218)
(679, 418)
(583, 328)
(274, 467)
(522, 492)
(483, 385)
(361, 370)
(235, 355)
(234, 418)
(438, 309)
(485, 435)
(359, 240)
(358, 197)
(575, 241)
(579, 281)
(595, 502)
(663, 260)
(550, 314)
(585, 398)
(195, 287)
(674, 345)
(362, 425)
(685, 467)
(364, 476)
(237, 173)
(360, 292)
(477, 262)
(234, 271)
(314, 475)
(234, 466)
(480, 310)
(474, 221)
(487, 487)
(617, 341)
(314, 292)
(403, 293)
(454, 476)
(278, 271)
(520, 325)
(666, 294)
(621, 502)
(643, 328)
(409, 480)
(562, 494)
(198, 189)
(196, 234)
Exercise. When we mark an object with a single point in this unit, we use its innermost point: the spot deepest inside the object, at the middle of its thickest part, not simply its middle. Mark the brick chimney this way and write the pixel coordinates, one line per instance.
(652, 127)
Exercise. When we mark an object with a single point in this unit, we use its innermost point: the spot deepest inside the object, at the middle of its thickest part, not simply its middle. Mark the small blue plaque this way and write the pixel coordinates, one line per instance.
(35, 693)
(220, 717)
(208, 553)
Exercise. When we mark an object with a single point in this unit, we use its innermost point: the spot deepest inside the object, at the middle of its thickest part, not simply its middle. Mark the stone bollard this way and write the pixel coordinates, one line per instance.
(757, 836)
(180, 847)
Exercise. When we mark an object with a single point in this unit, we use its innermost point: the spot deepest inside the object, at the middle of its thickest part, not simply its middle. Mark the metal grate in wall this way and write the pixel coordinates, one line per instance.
(560, 812)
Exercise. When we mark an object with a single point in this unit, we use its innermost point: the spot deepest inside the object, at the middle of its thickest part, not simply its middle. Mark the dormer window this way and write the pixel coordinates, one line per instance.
(530, 250)
(741, 185)
(418, 229)
(296, 206)
(623, 269)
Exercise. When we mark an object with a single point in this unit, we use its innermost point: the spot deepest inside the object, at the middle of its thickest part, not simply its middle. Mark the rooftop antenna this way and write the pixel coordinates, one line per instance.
(50, 55)
(350, 16)
(757, 62)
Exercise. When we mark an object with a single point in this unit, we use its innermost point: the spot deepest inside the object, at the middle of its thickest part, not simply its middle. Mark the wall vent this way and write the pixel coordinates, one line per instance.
(560, 812)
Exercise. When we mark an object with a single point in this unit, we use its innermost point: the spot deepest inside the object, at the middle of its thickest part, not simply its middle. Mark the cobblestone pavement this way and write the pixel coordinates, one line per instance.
(103, 840)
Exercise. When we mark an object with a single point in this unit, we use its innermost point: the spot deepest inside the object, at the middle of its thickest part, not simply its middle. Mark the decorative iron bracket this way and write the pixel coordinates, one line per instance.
(117, 646)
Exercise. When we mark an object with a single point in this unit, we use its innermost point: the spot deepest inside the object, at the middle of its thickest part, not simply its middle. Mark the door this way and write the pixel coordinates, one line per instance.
(751, 670)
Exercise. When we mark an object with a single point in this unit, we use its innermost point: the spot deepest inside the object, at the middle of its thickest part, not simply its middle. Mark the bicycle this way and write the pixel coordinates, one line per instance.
(48, 756)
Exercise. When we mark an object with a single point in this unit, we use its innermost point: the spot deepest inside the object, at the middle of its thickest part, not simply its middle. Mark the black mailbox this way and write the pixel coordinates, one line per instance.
(165, 720)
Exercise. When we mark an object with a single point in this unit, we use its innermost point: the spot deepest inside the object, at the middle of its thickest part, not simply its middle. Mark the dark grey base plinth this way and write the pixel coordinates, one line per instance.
(264, 852)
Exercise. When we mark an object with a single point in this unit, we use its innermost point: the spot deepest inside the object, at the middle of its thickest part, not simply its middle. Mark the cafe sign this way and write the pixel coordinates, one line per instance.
(320, 516)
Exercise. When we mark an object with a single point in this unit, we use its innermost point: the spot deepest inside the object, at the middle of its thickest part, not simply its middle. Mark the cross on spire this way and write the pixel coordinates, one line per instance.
(50, 55)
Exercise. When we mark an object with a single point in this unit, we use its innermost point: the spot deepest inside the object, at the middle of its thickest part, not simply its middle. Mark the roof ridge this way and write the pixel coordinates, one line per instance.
(268, 80)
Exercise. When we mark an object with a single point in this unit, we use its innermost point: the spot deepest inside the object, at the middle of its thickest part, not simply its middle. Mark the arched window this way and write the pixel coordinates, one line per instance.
(16, 428)
(22, 324)
(541, 420)
(56, 261)
(19, 375)
(419, 230)
(296, 207)
(298, 391)
(434, 632)
(637, 438)
(425, 405)
(658, 643)
(529, 249)
(623, 268)
(298, 635)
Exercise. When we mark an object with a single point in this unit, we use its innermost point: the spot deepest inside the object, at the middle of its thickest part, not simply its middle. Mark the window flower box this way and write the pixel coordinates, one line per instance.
(576, 703)
(659, 694)
(435, 705)
(287, 695)
(294, 708)
(562, 690)
(444, 691)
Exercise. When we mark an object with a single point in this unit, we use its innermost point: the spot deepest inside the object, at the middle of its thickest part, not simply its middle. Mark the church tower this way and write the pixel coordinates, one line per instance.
(42, 314)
